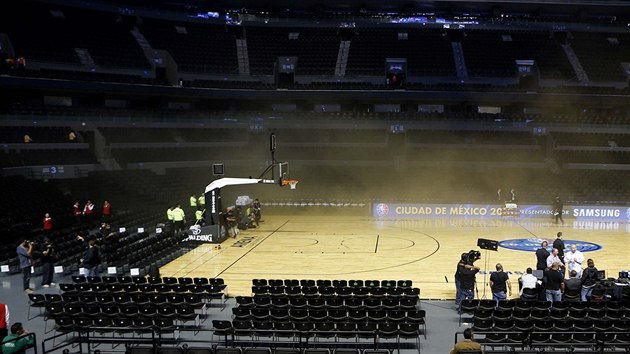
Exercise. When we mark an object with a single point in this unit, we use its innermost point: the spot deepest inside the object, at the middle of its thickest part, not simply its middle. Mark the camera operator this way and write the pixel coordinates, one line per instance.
(48, 258)
(467, 272)
(458, 291)
(25, 255)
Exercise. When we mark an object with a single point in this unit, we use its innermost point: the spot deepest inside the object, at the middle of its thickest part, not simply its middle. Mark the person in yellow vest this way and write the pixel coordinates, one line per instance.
(193, 203)
(179, 218)
(199, 219)
(202, 201)
(169, 214)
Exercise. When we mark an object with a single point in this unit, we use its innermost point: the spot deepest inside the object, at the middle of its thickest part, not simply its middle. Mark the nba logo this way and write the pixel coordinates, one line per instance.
(382, 209)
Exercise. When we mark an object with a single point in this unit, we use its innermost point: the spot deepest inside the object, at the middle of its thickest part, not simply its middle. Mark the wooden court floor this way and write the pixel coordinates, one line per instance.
(352, 247)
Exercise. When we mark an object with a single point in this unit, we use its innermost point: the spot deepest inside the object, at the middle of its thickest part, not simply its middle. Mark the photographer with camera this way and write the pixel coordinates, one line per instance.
(466, 272)
(25, 255)
(48, 258)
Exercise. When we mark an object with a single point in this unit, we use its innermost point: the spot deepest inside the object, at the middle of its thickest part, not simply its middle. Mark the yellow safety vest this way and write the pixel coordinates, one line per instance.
(199, 215)
(169, 214)
(193, 201)
(178, 214)
(202, 200)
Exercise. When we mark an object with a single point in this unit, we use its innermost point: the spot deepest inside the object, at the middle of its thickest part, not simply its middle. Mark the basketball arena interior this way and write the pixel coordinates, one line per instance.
(314, 177)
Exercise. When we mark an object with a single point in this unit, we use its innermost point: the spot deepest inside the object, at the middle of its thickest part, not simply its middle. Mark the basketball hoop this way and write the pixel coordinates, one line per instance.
(291, 182)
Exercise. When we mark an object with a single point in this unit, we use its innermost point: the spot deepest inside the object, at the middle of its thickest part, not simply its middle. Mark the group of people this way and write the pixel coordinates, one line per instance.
(511, 196)
(11, 64)
(551, 284)
(87, 213)
(580, 282)
(27, 252)
(27, 139)
(30, 251)
(234, 218)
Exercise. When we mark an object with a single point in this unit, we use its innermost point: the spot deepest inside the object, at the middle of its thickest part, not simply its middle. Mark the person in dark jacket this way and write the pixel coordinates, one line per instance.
(92, 259)
(541, 256)
(589, 279)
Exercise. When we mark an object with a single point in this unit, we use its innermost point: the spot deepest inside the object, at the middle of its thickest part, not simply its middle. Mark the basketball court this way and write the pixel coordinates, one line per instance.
(425, 251)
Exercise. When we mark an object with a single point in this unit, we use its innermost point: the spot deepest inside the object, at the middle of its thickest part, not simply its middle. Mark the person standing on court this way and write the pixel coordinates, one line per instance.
(25, 255)
(199, 217)
(574, 260)
(201, 201)
(541, 256)
(589, 280)
(257, 212)
(553, 283)
(557, 209)
(467, 281)
(193, 203)
(179, 218)
(559, 244)
(500, 284)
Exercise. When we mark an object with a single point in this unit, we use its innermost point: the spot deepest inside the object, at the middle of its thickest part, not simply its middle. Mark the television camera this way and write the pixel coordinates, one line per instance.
(471, 256)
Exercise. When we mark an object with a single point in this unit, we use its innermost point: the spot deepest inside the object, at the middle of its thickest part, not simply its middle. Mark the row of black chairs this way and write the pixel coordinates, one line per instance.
(538, 339)
(334, 283)
(185, 349)
(122, 326)
(332, 302)
(256, 331)
(207, 290)
(330, 315)
(124, 279)
(183, 313)
(57, 301)
(552, 313)
(471, 305)
(297, 290)
(581, 325)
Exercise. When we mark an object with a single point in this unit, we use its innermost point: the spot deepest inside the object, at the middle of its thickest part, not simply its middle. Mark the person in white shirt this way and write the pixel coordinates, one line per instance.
(529, 281)
(574, 260)
(553, 258)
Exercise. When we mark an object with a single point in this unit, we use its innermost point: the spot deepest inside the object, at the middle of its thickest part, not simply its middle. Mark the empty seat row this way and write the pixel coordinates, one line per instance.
(334, 283)
(551, 325)
(344, 291)
(537, 339)
(329, 315)
(332, 302)
(186, 349)
(123, 279)
(179, 312)
(275, 331)
(472, 305)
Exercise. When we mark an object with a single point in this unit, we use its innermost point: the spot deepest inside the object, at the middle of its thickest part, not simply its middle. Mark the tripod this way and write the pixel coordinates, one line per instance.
(485, 275)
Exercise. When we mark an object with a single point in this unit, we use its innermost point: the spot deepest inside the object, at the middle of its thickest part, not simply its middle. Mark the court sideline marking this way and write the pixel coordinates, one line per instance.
(251, 249)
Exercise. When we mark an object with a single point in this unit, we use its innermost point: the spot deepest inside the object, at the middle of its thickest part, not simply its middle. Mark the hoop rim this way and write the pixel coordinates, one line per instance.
(289, 181)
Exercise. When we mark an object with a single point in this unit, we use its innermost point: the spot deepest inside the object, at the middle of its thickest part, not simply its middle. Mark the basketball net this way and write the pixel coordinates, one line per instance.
(291, 182)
